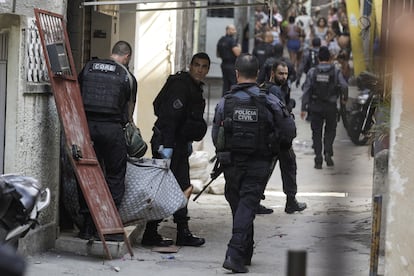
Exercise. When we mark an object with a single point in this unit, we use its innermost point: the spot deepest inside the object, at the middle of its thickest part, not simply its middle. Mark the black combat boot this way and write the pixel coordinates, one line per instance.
(318, 162)
(328, 160)
(262, 210)
(292, 205)
(88, 230)
(152, 238)
(186, 238)
(236, 265)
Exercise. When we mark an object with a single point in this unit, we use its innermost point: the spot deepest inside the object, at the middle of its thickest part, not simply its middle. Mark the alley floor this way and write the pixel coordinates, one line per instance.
(335, 229)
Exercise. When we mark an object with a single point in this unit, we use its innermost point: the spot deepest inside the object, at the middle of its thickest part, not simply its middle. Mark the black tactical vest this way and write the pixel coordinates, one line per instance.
(248, 127)
(224, 48)
(105, 87)
(313, 58)
(324, 86)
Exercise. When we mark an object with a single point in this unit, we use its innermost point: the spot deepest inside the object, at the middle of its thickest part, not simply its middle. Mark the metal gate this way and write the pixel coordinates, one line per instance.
(63, 77)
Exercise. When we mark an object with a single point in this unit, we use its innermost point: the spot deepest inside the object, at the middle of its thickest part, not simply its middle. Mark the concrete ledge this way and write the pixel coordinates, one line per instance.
(69, 242)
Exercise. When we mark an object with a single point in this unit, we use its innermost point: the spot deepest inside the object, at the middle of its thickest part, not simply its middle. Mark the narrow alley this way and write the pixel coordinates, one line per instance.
(335, 229)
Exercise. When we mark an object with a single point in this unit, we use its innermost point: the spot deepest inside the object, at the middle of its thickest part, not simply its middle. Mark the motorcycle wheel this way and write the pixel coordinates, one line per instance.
(354, 131)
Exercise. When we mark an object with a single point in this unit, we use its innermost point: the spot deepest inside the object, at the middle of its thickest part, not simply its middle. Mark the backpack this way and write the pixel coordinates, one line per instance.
(324, 83)
(312, 61)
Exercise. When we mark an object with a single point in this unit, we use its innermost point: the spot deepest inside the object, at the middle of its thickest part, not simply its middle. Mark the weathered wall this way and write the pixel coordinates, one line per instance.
(154, 61)
(399, 255)
(32, 125)
(26, 7)
(400, 219)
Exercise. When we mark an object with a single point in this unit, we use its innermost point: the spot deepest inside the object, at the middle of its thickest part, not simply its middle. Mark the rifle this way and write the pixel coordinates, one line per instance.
(217, 170)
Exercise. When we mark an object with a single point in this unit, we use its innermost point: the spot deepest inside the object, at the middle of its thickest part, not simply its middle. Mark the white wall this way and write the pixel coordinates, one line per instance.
(154, 61)
(216, 28)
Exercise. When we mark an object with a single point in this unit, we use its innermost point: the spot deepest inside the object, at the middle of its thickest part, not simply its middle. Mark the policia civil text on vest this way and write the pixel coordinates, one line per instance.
(246, 128)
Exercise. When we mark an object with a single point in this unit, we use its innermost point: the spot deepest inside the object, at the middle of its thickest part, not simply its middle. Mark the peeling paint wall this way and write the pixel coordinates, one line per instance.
(32, 124)
(26, 7)
(399, 254)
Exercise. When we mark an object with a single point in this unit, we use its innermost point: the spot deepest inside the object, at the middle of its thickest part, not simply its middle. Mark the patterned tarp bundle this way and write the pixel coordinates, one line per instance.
(151, 191)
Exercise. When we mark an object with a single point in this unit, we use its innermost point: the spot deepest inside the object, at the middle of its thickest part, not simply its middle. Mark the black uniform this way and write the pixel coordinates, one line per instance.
(310, 59)
(286, 156)
(254, 125)
(266, 69)
(106, 90)
(225, 47)
(262, 51)
(323, 87)
(179, 108)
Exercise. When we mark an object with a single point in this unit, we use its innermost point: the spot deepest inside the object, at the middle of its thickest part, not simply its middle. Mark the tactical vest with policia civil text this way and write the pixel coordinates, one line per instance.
(105, 87)
(248, 125)
(325, 84)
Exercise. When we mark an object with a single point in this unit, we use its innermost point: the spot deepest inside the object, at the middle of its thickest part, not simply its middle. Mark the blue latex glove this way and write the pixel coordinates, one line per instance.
(166, 153)
(189, 148)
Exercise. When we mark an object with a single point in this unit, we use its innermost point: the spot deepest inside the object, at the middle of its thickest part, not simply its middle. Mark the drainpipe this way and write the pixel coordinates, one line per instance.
(14, 6)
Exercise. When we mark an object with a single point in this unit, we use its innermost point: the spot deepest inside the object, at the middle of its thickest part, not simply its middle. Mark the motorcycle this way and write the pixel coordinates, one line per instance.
(361, 116)
(21, 200)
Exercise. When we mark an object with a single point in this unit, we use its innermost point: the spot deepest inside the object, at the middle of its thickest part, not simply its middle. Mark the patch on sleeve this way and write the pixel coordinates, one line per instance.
(177, 104)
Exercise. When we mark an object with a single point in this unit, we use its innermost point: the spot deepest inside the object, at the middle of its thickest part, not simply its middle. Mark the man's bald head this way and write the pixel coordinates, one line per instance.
(231, 29)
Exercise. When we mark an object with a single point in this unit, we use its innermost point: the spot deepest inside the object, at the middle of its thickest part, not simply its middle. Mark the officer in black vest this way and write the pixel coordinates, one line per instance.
(179, 107)
(278, 86)
(266, 70)
(310, 59)
(324, 85)
(228, 49)
(248, 128)
(108, 92)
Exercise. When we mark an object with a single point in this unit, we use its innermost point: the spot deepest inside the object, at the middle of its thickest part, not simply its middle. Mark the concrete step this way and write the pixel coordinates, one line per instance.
(69, 242)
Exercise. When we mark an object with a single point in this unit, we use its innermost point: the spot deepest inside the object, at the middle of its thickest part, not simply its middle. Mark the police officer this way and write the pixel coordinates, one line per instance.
(279, 87)
(323, 87)
(108, 92)
(310, 59)
(266, 70)
(228, 50)
(248, 128)
(264, 49)
(179, 107)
